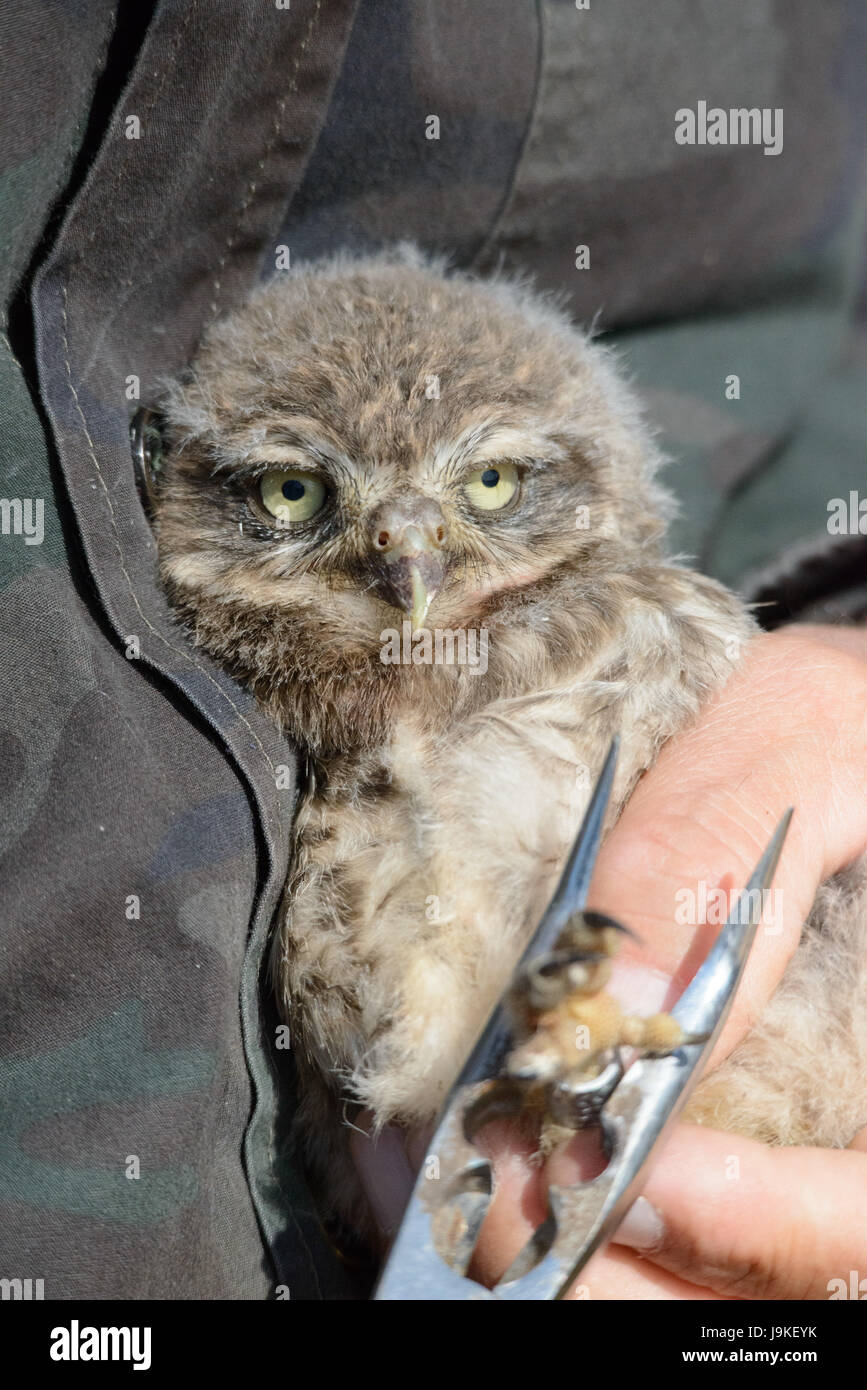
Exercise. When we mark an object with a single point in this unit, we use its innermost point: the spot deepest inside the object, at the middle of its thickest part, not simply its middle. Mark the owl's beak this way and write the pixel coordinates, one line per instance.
(412, 573)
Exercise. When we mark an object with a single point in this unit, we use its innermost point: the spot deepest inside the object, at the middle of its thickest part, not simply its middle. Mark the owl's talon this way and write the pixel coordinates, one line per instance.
(578, 964)
(600, 922)
(546, 981)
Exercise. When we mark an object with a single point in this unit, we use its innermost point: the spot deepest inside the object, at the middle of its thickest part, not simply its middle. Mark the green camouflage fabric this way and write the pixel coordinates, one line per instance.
(146, 805)
(713, 261)
(151, 169)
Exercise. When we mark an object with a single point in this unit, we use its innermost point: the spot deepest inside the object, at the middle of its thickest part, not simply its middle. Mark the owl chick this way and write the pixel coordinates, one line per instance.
(417, 514)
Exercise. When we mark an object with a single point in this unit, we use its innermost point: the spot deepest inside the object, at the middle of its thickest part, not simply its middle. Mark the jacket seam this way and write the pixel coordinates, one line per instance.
(253, 185)
(122, 558)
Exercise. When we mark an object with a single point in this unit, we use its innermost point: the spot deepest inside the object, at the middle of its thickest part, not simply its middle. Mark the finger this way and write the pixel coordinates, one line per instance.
(747, 1221)
(789, 728)
(519, 1206)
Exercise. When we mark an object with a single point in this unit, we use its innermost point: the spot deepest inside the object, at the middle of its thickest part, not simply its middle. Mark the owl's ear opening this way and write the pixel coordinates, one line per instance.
(146, 443)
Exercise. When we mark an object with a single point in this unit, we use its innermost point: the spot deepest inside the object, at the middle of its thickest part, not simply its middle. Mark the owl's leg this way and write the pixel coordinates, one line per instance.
(570, 1034)
(565, 1019)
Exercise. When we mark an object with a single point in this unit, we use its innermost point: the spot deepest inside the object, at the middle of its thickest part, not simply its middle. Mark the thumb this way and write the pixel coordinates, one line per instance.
(788, 728)
(746, 1221)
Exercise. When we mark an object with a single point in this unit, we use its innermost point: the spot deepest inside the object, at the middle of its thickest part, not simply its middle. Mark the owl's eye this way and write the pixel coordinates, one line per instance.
(492, 487)
(290, 494)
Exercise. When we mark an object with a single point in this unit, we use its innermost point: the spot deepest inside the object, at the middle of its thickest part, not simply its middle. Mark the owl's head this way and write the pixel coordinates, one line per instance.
(373, 442)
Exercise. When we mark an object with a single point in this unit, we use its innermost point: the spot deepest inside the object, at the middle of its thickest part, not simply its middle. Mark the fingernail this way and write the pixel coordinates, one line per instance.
(642, 1230)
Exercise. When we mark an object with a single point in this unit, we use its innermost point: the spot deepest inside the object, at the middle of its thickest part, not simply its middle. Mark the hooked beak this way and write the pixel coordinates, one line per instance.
(412, 574)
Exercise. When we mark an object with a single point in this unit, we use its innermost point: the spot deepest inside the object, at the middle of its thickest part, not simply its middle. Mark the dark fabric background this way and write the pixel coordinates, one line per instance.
(134, 768)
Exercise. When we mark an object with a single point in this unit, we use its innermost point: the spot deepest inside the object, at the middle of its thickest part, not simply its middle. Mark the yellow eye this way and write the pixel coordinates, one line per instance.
(290, 494)
(492, 487)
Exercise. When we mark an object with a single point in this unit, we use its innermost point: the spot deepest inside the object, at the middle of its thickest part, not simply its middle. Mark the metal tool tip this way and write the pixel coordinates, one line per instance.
(767, 865)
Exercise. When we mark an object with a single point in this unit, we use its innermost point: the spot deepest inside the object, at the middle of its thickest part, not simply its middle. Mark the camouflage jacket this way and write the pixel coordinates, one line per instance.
(152, 168)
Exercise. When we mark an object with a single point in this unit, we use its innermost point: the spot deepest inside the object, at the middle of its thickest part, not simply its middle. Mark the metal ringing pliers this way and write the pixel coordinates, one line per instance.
(633, 1108)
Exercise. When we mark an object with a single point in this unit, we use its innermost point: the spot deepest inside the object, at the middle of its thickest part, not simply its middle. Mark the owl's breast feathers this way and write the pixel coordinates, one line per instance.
(374, 446)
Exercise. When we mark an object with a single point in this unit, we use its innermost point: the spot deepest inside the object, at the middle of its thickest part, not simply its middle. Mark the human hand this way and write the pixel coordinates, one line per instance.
(789, 728)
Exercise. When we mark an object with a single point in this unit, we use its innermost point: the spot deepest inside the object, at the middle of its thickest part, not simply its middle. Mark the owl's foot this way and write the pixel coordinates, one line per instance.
(579, 964)
(570, 1029)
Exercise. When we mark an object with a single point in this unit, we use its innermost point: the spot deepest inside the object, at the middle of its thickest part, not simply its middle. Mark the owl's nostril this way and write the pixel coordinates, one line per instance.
(409, 532)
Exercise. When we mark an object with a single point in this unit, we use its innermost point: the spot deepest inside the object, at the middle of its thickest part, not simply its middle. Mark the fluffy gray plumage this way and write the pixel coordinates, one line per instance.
(442, 799)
